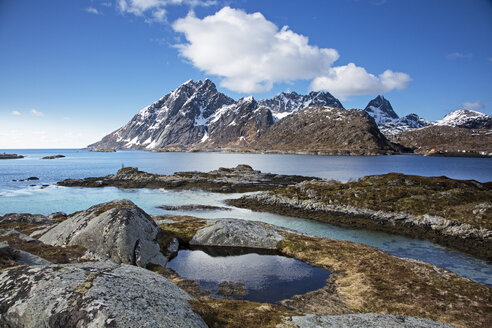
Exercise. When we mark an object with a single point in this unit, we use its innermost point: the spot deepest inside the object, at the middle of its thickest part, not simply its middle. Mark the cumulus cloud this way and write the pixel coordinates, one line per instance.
(474, 105)
(249, 52)
(36, 113)
(92, 10)
(459, 55)
(154, 10)
(350, 80)
(14, 112)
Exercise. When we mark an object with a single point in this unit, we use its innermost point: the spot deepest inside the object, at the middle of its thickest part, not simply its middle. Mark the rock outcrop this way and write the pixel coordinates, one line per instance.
(25, 218)
(10, 156)
(404, 204)
(242, 178)
(237, 233)
(118, 229)
(366, 320)
(101, 294)
(53, 157)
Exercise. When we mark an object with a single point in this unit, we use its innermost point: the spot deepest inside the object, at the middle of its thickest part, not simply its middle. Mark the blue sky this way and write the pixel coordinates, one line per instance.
(73, 71)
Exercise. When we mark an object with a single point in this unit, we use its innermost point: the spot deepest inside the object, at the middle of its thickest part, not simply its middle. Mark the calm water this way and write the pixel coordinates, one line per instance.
(21, 197)
(267, 278)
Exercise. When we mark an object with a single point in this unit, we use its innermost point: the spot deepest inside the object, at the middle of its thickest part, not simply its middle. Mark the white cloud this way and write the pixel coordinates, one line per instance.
(349, 80)
(14, 112)
(474, 105)
(154, 10)
(248, 51)
(459, 55)
(36, 113)
(92, 10)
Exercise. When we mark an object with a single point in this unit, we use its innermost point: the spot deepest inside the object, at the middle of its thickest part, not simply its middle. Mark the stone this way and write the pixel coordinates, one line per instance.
(101, 294)
(366, 320)
(237, 233)
(118, 229)
(25, 218)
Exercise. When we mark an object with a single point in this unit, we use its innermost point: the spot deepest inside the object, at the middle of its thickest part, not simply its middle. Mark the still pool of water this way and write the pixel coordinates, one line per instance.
(21, 197)
(267, 278)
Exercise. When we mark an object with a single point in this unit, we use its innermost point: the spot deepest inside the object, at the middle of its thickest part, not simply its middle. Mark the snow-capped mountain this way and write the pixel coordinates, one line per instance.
(381, 110)
(466, 118)
(286, 103)
(180, 118)
(197, 114)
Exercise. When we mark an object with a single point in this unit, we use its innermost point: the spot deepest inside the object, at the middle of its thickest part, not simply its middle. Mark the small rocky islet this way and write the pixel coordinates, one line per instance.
(10, 156)
(91, 265)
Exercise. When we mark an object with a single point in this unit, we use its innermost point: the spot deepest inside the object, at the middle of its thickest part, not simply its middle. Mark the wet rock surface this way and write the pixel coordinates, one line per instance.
(101, 294)
(119, 230)
(237, 233)
(369, 320)
(242, 178)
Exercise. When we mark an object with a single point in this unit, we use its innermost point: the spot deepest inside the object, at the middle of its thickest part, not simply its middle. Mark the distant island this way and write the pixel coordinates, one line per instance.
(197, 117)
(10, 156)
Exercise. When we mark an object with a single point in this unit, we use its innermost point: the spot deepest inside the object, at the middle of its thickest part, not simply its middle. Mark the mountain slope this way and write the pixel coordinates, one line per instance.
(326, 130)
(178, 118)
(465, 118)
(285, 103)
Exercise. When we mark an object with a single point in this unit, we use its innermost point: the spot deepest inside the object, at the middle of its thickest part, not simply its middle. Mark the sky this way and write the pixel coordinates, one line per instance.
(74, 71)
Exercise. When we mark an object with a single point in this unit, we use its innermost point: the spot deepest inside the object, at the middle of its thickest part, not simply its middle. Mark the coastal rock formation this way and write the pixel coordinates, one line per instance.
(53, 157)
(10, 156)
(326, 130)
(363, 280)
(118, 229)
(237, 233)
(452, 212)
(10, 257)
(101, 294)
(366, 320)
(25, 218)
(242, 178)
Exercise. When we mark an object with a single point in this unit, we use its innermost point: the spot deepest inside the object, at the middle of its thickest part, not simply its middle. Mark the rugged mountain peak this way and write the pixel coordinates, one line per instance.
(286, 103)
(466, 118)
(381, 110)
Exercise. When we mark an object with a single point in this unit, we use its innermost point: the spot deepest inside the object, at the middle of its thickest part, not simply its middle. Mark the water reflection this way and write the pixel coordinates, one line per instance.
(267, 278)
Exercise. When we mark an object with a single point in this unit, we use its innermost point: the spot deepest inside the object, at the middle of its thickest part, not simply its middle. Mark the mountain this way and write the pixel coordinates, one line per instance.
(409, 122)
(196, 115)
(326, 130)
(465, 118)
(285, 103)
(446, 140)
(381, 110)
(178, 118)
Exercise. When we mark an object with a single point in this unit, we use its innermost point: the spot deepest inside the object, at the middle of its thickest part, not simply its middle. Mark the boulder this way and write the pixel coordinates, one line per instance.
(237, 233)
(100, 294)
(118, 229)
(364, 320)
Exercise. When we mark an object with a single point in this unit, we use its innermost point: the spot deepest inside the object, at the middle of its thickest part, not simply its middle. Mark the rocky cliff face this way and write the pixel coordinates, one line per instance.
(178, 118)
(381, 110)
(286, 103)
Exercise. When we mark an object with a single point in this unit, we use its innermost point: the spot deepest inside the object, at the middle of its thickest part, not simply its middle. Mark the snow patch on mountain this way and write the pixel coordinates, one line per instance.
(466, 118)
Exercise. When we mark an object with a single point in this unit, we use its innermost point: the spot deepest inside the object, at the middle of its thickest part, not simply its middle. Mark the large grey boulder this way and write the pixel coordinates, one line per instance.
(237, 233)
(364, 320)
(118, 229)
(101, 294)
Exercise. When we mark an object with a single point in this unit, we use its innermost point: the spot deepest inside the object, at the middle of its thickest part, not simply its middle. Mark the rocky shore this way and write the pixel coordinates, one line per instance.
(450, 212)
(242, 178)
(10, 156)
(88, 269)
